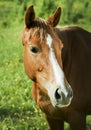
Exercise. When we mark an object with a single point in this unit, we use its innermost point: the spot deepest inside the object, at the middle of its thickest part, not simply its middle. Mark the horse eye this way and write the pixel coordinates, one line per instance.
(34, 49)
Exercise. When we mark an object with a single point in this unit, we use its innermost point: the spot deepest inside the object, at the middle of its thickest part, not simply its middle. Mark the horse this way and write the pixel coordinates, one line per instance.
(58, 61)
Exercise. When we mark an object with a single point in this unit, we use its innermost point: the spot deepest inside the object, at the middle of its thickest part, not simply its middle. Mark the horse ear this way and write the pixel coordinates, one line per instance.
(29, 16)
(55, 17)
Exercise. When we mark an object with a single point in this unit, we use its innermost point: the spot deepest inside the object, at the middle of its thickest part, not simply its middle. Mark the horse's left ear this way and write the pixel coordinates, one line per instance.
(55, 17)
(29, 16)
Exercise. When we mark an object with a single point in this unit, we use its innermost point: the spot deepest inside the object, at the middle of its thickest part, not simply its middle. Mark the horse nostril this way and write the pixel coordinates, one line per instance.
(57, 94)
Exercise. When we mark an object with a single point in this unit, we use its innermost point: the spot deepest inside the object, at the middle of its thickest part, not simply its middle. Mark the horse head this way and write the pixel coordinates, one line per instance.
(43, 57)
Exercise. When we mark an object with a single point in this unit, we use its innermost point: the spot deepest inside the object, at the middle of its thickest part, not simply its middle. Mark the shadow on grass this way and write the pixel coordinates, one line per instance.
(16, 119)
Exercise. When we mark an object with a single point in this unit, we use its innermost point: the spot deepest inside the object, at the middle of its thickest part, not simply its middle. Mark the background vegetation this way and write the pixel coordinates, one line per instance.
(17, 108)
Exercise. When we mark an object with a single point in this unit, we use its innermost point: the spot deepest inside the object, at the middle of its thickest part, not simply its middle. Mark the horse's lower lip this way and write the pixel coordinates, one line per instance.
(62, 104)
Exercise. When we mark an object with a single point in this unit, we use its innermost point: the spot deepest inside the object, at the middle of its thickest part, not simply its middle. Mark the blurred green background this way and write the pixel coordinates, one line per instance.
(18, 110)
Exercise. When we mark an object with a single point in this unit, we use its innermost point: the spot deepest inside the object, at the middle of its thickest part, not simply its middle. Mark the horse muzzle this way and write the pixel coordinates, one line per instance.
(60, 98)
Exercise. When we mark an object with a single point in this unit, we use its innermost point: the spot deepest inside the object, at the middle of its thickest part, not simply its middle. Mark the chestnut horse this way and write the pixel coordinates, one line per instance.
(58, 61)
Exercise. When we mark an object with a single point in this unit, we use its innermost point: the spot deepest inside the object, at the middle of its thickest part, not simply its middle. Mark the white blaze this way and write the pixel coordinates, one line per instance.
(58, 73)
(49, 40)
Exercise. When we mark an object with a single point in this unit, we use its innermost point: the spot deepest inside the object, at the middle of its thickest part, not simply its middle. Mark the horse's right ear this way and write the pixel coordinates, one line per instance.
(29, 16)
